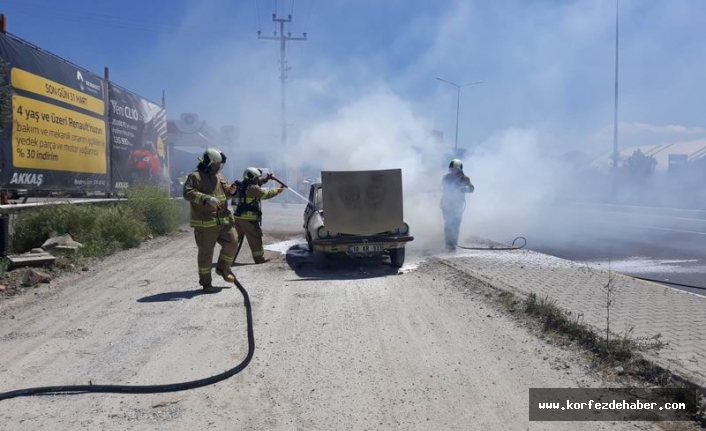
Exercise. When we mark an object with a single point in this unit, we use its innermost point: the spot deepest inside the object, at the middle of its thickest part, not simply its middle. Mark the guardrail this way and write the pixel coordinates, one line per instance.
(8, 214)
(15, 208)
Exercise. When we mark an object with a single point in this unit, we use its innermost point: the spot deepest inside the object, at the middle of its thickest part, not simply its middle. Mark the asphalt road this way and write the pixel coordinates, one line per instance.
(354, 347)
(650, 243)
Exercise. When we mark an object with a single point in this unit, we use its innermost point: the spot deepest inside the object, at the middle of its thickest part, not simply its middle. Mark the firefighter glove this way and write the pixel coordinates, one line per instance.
(212, 201)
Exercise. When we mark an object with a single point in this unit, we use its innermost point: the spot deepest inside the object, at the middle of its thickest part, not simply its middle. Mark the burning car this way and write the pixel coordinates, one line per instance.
(363, 216)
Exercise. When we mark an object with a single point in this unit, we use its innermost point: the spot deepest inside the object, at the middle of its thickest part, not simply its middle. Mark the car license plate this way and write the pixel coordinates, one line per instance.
(367, 248)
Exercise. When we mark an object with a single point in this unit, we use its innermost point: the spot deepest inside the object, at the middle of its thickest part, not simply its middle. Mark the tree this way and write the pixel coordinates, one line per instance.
(639, 167)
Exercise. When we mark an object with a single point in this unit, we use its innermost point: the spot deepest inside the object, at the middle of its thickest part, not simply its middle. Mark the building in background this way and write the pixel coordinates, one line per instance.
(189, 136)
(671, 157)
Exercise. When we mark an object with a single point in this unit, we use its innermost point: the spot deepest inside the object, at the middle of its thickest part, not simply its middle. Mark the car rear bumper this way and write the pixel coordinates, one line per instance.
(343, 244)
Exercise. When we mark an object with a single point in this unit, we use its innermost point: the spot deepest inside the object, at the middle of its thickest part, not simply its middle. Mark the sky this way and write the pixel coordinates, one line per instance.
(362, 91)
(546, 65)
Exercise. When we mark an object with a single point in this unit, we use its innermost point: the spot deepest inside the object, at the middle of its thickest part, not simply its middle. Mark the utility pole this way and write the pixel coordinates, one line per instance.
(283, 39)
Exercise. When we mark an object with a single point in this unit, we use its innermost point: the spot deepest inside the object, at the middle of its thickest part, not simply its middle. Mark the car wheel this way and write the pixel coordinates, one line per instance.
(319, 259)
(308, 242)
(397, 257)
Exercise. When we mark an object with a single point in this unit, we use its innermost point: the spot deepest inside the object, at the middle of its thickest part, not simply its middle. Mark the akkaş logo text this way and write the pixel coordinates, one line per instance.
(27, 179)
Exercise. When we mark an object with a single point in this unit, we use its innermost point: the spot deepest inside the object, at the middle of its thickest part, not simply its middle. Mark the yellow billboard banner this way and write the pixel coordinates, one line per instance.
(46, 136)
(27, 81)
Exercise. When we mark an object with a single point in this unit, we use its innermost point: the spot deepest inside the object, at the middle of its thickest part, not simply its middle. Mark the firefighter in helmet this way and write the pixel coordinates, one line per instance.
(454, 186)
(207, 190)
(248, 210)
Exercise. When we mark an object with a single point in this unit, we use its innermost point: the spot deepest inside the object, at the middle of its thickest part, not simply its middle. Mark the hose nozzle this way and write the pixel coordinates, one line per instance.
(270, 176)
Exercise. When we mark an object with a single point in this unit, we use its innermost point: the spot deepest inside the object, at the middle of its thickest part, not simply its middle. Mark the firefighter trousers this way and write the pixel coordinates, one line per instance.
(452, 225)
(206, 239)
(253, 233)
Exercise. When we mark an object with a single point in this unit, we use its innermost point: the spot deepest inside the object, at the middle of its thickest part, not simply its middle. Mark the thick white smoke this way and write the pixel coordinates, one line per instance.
(516, 182)
(381, 131)
(370, 101)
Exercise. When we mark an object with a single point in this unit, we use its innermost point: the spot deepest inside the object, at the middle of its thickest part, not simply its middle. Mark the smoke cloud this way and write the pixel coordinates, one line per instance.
(368, 99)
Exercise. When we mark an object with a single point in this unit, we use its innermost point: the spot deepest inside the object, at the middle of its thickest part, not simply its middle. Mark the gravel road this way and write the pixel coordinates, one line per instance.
(355, 347)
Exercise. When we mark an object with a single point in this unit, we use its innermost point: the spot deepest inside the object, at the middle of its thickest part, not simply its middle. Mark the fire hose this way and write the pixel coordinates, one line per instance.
(513, 247)
(149, 389)
(272, 177)
(154, 389)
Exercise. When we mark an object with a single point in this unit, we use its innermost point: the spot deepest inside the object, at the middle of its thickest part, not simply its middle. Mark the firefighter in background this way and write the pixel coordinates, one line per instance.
(207, 190)
(248, 210)
(454, 186)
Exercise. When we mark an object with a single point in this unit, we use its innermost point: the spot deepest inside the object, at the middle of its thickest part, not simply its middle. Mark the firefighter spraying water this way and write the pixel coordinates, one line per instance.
(272, 177)
(268, 177)
(247, 214)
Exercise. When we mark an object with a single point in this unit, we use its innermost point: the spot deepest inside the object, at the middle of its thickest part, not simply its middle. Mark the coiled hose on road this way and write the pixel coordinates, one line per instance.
(513, 247)
(150, 389)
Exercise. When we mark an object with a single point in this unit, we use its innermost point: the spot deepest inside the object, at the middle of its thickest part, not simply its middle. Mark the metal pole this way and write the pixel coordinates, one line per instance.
(615, 114)
(614, 176)
(458, 104)
(283, 39)
(283, 142)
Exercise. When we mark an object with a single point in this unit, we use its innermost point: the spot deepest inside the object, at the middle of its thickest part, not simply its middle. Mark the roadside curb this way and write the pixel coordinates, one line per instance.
(660, 365)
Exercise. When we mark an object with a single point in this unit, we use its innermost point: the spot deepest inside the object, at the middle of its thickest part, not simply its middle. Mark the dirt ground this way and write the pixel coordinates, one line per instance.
(359, 346)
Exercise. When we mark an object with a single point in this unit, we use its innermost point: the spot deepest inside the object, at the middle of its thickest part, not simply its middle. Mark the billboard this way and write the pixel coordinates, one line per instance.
(58, 138)
(138, 130)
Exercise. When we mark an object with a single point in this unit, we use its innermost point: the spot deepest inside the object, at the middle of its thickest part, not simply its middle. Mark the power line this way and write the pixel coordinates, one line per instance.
(49, 11)
(113, 21)
(307, 16)
(257, 14)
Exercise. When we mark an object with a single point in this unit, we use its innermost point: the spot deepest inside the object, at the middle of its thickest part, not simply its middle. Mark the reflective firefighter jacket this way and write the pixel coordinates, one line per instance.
(198, 188)
(249, 208)
(454, 188)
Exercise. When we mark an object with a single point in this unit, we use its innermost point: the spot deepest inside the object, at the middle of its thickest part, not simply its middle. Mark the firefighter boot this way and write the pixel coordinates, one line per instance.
(260, 259)
(205, 281)
(227, 275)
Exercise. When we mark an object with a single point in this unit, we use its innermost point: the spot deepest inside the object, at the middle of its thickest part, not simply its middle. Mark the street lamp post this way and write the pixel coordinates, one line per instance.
(458, 102)
(614, 175)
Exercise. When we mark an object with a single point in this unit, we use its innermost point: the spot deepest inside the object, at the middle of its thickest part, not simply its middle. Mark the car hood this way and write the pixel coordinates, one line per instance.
(363, 202)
